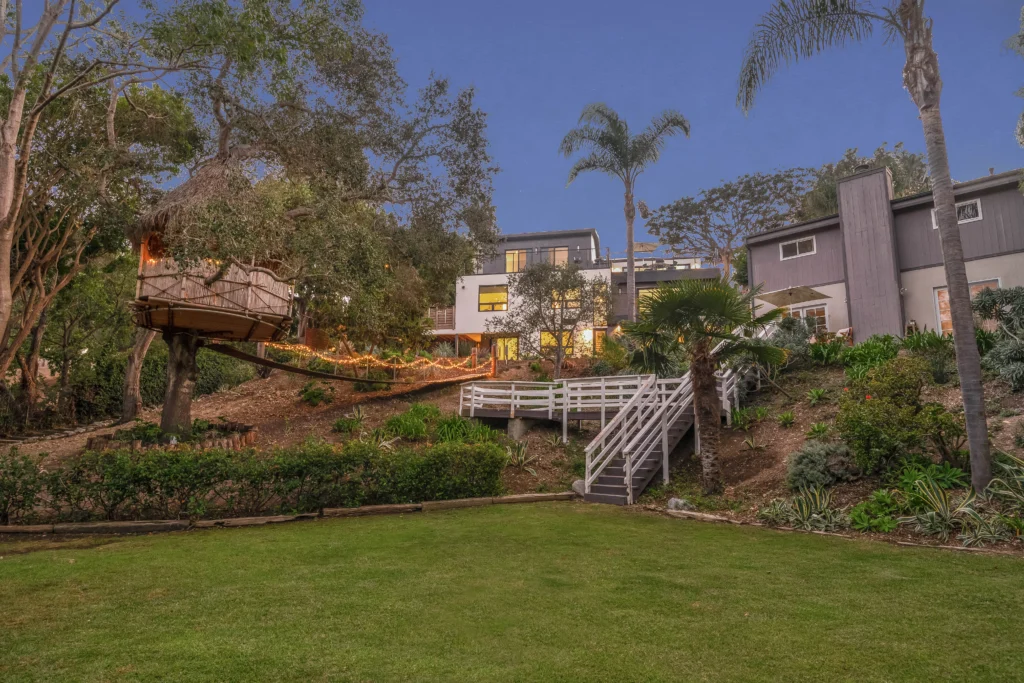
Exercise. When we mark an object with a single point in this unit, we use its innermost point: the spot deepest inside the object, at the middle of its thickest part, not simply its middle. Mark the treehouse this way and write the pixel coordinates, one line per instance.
(214, 300)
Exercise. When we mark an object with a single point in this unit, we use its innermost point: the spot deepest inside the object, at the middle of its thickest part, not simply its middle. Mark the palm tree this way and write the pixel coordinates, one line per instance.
(715, 321)
(794, 29)
(614, 151)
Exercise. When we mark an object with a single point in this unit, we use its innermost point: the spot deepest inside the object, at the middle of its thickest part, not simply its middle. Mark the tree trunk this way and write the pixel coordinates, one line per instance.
(726, 256)
(181, 381)
(262, 371)
(131, 406)
(922, 80)
(630, 210)
(709, 418)
(30, 367)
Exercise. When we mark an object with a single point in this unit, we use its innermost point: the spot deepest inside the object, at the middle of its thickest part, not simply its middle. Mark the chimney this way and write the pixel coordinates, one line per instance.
(991, 170)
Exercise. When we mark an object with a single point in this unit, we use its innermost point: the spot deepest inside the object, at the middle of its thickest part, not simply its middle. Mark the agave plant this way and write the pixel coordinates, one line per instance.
(786, 419)
(813, 511)
(776, 513)
(816, 396)
(519, 458)
(741, 418)
(819, 431)
(752, 444)
(941, 514)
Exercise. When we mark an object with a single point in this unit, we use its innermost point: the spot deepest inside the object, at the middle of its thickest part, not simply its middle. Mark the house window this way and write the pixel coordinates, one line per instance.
(507, 348)
(515, 260)
(797, 248)
(945, 320)
(570, 299)
(556, 256)
(816, 317)
(549, 341)
(599, 337)
(493, 298)
(966, 212)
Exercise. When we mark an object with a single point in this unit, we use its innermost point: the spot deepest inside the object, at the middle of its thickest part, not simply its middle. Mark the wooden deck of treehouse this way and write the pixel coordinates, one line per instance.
(232, 303)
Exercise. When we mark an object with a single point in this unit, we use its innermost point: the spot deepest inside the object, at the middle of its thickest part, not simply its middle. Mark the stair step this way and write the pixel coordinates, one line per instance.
(605, 498)
(613, 489)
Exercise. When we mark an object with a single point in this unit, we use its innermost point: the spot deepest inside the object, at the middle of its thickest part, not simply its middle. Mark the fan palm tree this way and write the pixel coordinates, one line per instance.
(614, 151)
(715, 322)
(795, 29)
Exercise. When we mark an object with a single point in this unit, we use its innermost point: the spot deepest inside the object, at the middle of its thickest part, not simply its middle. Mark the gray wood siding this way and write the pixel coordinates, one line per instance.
(872, 276)
(579, 248)
(820, 268)
(1000, 230)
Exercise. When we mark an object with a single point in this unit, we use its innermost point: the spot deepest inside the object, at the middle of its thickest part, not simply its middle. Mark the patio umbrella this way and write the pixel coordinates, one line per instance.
(792, 296)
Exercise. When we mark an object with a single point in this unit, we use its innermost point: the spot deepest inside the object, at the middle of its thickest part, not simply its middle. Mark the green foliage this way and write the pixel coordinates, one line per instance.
(427, 412)
(407, 426)
(811, 510)
(147, 432)
(870, 353)
(20, 486)
(940, 514)
(614, 357)
(877, 513)
(883, 421)
(761, 413)
(946, 432)
(740, 273)
(652, 350)
(347, 424)
(454, 428)
(372, 382)
(937, 349)
(1008, 484)
(816, 396)
(820, 464)
(752, 444)
(786, 419)
(793, 335)
(820, 431)
(444, 350)
(828, 352)
(188, 482)
(986, 340)
(1006, 353)
(314, 393)
(741, 418)
(517, 456)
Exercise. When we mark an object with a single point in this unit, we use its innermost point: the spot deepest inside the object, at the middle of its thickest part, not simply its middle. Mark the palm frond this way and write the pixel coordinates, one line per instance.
(645, 148)
(795, 29)
(601, 114)
(598, 160)
(581, 137)
(757, 350)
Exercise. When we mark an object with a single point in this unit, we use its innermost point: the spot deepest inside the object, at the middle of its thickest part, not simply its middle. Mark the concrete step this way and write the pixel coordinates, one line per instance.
(605, 498)
(612, 489)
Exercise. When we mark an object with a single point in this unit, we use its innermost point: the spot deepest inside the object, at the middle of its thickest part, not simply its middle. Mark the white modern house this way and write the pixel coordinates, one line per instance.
(481, 297)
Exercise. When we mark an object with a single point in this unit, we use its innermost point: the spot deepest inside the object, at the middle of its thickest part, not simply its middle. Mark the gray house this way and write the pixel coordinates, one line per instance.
(876, 266)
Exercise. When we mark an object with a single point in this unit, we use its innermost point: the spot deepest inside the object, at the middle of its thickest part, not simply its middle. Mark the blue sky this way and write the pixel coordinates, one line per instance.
(536, 64)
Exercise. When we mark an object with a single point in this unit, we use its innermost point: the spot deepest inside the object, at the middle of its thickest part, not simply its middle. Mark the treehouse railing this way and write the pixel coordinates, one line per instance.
(249, 291)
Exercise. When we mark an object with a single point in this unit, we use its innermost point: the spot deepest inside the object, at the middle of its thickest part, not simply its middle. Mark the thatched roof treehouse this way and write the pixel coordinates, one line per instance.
(224, 300)
(212, 300)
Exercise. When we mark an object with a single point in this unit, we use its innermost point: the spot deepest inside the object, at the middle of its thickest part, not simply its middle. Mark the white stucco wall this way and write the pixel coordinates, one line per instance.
(836, 312)
(468, 319)
(918, 286)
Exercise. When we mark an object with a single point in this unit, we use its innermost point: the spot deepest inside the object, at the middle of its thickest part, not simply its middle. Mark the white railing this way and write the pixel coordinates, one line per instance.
(611, 439)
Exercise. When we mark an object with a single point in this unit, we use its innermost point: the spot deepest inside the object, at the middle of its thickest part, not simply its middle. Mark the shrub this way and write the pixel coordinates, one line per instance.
(946, 432)
(816, 396)
(786, 419)
(741, 418)
(442, 472)
(444, 350)
(178, 482)
(110, 481)
(20, 485)
(826, 352)
(427, 412)
(315, 393)
(820, 464)
(940, 514)
(877, 513)
(761, 413)
(146, 432)
(870, 353)
(407, 426)
(793, 335)
(811, 509)
(372, 382)
(347, 424)
(936, 349)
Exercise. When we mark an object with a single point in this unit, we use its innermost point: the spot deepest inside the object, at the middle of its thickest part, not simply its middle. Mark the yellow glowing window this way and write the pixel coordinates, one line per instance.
(556, 256)
(571, 299)
(507, 348)
(493, 298)
(599, 336)
(515, 260)
(549, 340)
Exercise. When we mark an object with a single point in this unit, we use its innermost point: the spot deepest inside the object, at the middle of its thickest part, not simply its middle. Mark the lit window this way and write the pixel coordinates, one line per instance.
(599, 336)
(493, 298)
(556, 256)
(515, 260)
(571, 299)
(797, 248)
(507, 348)
(549, 341)
(966, 212)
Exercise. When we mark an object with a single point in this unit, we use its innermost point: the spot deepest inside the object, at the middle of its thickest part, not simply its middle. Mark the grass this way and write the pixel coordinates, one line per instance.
(510, 593)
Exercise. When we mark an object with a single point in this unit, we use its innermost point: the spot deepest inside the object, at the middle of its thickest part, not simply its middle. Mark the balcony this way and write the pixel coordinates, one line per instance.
(443, 318)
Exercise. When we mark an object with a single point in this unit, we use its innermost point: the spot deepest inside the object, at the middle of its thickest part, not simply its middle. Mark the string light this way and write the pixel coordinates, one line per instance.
(369, 360)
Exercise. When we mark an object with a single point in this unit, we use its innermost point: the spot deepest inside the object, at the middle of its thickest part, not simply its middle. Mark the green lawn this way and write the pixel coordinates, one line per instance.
(518, 593)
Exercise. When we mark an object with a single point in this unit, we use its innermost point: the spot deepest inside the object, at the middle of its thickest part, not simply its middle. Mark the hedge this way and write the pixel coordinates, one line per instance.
(186, 482)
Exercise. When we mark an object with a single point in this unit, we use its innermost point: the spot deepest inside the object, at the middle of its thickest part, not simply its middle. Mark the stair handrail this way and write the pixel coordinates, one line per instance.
(616, 431)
